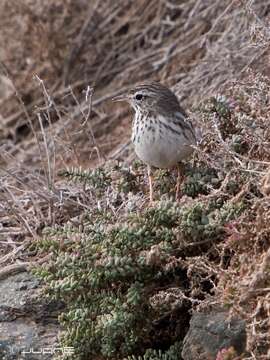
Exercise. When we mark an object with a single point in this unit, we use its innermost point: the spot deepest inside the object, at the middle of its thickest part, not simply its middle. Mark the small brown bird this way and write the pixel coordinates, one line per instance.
(161, 134)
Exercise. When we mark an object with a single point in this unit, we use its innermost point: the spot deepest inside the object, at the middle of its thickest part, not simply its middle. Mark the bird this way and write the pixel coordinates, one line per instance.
(162, 134)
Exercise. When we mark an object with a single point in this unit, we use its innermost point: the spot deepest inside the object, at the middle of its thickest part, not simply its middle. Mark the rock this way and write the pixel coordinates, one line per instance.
(212, 332)
(28, 325)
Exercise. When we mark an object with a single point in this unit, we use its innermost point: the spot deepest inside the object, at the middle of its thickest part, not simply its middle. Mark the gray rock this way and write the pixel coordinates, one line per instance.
(28, 325)
(211, 332)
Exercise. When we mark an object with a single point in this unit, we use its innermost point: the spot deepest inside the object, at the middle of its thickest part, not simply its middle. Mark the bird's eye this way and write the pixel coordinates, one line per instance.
(138, 97)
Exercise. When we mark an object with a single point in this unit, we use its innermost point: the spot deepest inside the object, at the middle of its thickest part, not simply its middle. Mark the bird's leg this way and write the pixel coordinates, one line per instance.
(150, 179)
(179, 180)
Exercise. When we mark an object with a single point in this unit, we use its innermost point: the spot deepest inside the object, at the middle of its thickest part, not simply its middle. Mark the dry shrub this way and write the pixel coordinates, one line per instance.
(199, 48)
(237, 140)
(194, 46)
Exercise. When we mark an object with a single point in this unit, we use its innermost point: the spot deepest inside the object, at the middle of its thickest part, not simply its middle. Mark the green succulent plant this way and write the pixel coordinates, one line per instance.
(107, 268)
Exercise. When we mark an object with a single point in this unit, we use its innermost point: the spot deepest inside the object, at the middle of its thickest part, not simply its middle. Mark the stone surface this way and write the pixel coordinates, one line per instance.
(28, 325)
(211, 332)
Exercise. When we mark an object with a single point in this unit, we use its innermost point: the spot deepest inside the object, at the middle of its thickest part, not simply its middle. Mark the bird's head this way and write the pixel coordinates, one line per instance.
(151, 97)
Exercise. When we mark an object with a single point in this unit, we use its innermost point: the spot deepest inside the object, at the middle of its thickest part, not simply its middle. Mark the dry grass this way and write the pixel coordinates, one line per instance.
(195, 46)
(55, 54)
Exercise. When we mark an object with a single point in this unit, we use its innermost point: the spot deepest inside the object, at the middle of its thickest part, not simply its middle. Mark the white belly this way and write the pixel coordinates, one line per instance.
(160, 150)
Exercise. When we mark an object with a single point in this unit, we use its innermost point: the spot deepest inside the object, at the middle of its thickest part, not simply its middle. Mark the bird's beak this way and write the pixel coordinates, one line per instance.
(122, 97)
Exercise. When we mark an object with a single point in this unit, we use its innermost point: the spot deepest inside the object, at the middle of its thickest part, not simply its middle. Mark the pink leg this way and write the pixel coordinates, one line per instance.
(150, 179)
(179, 181)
